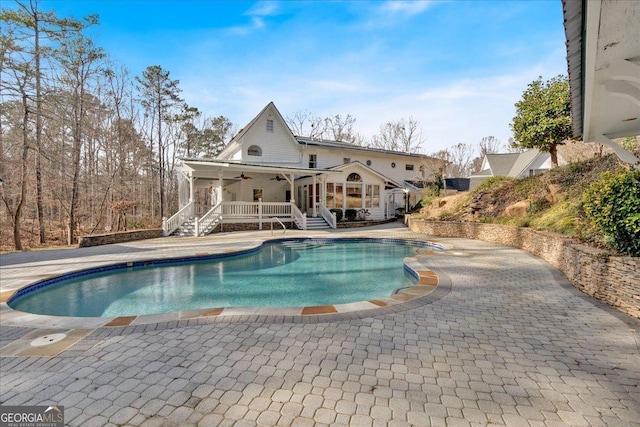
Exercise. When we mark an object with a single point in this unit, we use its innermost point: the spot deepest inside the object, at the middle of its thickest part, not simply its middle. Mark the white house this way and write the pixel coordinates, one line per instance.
(267, 172)
(514, 165)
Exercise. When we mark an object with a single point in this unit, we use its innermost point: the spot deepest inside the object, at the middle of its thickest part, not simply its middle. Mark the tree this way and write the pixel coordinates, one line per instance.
(159, 95)
(488, 145)
(340, 128)
(80, 61)
(543, 116)
(33, 26)
(303, 123)
(457, 158)
(402, 135)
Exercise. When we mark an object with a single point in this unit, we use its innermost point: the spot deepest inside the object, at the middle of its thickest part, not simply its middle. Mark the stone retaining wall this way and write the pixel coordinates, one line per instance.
(612, 279)
(119, 237)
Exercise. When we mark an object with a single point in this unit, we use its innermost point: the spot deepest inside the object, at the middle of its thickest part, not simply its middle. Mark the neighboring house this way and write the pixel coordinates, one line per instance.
(267, 172)
(515, 165)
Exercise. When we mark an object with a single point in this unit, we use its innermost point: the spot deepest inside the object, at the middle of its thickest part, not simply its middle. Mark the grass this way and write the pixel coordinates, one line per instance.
(564, 216)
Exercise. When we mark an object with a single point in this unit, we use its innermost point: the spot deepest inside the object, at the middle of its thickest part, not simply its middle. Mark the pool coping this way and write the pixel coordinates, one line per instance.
(428, 281)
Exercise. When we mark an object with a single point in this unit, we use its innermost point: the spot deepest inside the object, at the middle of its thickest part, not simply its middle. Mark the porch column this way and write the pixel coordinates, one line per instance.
(293, 197)
(191, 187)
(220, 184)
(313, 197)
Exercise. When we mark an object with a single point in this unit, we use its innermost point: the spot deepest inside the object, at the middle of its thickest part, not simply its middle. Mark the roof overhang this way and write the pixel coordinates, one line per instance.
(215, 169)
(603, 58)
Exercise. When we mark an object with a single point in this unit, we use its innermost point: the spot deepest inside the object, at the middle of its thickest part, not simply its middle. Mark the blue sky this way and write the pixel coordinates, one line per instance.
(457, 67)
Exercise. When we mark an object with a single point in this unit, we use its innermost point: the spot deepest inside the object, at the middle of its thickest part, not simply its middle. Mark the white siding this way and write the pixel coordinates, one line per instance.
(380, 162)
(278, 147)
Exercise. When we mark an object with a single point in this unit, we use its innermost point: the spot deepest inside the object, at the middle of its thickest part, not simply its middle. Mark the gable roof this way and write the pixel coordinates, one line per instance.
(242, 132)
(365, 167)
(523, 161)
(501, 164)
(508, 164)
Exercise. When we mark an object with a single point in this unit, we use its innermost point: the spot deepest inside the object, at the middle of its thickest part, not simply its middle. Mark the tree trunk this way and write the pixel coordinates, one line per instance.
(553, 151)
(38, 76)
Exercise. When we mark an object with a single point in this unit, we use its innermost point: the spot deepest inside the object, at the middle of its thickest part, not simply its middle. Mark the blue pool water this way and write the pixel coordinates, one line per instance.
(292, 273)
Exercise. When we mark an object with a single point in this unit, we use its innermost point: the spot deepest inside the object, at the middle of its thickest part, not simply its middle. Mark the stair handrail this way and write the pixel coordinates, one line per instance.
(212, 216)
(329, 217)
(298, 217)
(284, 227)
(176, 220)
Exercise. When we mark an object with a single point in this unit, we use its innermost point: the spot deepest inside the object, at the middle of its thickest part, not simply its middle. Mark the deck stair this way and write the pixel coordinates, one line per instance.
(317, 223)
(188, 229)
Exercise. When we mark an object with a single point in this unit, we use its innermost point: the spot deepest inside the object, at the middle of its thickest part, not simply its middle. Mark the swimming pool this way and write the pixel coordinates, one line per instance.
(283, 273)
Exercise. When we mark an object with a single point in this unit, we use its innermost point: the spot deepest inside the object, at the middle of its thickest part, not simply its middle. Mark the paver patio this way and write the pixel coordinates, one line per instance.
(505, 341)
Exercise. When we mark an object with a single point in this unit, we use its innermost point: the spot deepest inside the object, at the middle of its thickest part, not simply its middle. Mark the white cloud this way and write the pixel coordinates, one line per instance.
(412, 7)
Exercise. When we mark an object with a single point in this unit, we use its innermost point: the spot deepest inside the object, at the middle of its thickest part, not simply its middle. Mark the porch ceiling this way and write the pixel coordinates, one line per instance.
(603, 55)
(210, 169)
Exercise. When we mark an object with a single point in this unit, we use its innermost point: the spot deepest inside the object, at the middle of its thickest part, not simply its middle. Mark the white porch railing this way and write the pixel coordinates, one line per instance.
(172, 224)
(328, 216)
(298, 217)
(234, 212)
(208, 221)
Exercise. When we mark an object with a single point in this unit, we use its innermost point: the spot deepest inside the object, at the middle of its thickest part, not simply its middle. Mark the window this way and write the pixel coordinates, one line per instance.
(354, 196)
(254, 150)
(346, 160)
(269, 125)
(257, 194)
(409, 167)
(330, 201)
(393, 164)
(354, 177)
(368, 162)
(372, 197)
(313, 161)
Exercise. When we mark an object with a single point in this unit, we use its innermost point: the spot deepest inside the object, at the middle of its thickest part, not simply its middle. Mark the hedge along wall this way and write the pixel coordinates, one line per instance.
(612, 279)
(119, 237)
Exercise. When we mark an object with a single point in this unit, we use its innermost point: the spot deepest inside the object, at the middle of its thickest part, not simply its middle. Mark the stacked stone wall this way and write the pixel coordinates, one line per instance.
(596, 272)
(119, 237)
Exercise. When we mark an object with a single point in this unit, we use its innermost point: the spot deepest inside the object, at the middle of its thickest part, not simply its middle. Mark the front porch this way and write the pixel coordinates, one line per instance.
(200, 219)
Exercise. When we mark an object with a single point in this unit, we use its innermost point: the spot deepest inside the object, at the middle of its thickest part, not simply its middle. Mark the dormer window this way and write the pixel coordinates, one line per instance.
(254, 150)
(269, 125)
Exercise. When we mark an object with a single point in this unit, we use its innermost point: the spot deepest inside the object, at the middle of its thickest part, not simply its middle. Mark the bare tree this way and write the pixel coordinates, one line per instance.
(488, 145)
(159, 95)
(80, 61)
(304, 123)
(340, 128)
(402, 135)
(34, 25)
(458, 159)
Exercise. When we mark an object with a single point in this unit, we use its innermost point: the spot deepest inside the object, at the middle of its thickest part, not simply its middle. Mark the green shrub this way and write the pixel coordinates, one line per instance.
(338, 213)
(350, 214)
(613, 204)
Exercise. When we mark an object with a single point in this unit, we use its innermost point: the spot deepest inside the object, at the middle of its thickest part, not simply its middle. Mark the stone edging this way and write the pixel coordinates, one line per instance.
(612, 279)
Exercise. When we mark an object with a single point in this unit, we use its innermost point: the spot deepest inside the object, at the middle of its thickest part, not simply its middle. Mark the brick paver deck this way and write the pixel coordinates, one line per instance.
(507, 341)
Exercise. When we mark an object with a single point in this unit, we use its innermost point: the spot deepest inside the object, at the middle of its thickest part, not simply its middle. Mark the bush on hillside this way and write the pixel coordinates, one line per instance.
(612, 203)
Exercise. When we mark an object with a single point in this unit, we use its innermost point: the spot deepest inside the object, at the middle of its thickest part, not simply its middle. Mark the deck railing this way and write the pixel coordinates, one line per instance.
(172, 224)
(234, 212)
(208, 221)
(328, 216)
(298, 217)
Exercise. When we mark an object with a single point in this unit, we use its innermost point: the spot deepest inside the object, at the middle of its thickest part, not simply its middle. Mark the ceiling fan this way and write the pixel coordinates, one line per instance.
(243, 176)
(277, 178)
